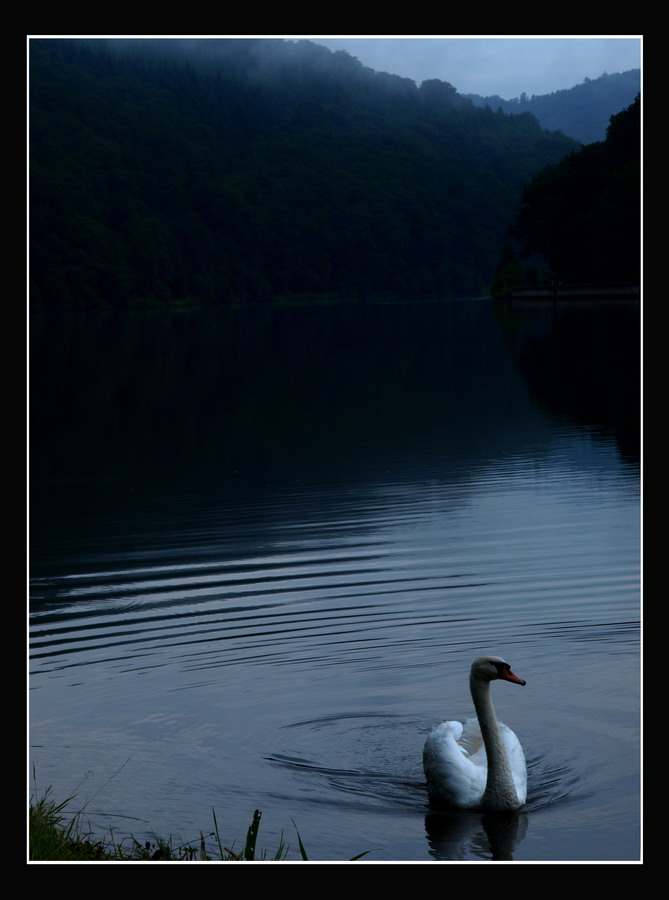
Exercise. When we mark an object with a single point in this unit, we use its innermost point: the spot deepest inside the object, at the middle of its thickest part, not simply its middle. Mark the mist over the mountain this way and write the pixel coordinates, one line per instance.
(219, 170)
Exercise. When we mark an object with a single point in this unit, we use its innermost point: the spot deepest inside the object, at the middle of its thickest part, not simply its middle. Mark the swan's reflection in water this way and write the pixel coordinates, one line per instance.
(461, 835)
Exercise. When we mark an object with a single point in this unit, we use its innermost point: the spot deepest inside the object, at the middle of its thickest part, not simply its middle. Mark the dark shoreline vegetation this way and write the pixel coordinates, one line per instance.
(580, 220)
(58, 836)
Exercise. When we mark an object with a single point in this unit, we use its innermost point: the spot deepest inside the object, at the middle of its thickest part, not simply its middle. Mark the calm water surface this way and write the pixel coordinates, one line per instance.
(267, 544)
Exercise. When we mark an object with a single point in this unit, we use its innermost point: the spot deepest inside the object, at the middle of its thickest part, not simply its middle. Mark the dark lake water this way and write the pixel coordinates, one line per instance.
(267, 544)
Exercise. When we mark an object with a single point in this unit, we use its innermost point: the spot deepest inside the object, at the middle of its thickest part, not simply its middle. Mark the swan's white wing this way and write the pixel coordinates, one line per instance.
(517, 761)
(472, 740)
(455, 764)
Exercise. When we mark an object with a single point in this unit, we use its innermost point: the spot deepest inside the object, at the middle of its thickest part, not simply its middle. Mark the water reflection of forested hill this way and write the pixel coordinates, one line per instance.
(582, 361)
(164, 416)
(293, 389)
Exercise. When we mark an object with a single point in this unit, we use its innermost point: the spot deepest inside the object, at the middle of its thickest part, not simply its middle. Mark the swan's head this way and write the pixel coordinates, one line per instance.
(488, 668)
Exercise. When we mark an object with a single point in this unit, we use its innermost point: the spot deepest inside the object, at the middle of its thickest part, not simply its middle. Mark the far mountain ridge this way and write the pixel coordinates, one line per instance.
(582, 112)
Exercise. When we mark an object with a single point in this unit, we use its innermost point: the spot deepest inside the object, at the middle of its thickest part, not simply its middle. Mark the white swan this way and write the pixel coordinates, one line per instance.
(480, 765)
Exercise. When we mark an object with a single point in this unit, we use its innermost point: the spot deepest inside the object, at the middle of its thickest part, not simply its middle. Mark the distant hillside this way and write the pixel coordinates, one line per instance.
(582, 112)
(214, 170)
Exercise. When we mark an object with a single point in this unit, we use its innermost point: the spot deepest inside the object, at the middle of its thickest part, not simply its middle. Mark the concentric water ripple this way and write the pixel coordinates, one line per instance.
(281, 630)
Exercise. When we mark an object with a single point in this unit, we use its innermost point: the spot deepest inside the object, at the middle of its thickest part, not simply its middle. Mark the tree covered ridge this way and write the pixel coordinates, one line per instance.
(247, 169)
(580, 219)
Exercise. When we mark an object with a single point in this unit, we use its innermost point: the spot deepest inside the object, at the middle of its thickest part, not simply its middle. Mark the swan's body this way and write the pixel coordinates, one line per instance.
(480, 765)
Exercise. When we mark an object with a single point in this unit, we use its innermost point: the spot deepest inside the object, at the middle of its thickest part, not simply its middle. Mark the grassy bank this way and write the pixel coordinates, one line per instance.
(58, 836)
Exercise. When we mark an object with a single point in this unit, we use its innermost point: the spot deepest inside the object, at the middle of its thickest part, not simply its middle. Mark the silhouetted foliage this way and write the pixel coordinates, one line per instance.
(171, 171)
(582, 215)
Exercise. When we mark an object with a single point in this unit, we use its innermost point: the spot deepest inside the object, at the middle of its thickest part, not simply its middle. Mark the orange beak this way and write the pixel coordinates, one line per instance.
(508, 675)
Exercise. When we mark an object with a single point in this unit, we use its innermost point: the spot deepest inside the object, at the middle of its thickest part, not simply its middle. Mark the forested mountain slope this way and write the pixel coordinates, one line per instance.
(215, 170)
(580, 219)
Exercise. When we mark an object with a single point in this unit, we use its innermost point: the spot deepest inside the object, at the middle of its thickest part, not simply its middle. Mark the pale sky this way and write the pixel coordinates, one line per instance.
(486, 65)
(507, 65)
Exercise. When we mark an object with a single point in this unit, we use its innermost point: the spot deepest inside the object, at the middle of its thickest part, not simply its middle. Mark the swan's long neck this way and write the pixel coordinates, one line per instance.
(500, 792)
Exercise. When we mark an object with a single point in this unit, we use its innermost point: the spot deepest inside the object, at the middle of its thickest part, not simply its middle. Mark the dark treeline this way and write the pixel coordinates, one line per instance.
(582, 112)
(171, 171)
(580, 220)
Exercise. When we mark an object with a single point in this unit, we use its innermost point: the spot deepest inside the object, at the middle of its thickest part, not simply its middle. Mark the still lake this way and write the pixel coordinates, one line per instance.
(266, 544)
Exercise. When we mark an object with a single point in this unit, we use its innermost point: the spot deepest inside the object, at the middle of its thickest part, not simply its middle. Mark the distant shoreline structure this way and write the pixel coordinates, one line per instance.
(543, 291)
